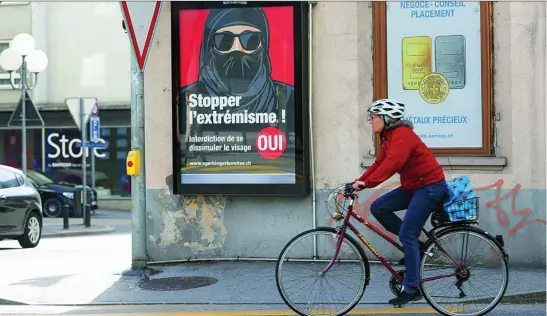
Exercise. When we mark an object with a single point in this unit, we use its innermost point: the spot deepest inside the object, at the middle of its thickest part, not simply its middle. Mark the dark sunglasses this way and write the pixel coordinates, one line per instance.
(225, 40)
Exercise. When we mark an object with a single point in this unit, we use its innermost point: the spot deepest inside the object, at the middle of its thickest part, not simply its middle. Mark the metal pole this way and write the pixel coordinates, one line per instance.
(24, 116)
(84, 162)
(312, 148)
(92, 172)
(138, 188)
(93, 168)
(65, 214)
(43, 169)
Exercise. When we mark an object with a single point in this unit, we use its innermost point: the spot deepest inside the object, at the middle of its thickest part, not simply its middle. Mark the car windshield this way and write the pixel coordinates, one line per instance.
(39, 178)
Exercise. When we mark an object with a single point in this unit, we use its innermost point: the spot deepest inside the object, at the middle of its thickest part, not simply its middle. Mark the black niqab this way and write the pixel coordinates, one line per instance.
(237, 73)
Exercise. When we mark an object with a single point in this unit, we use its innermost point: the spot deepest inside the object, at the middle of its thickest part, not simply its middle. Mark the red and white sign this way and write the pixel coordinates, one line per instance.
(271, 143)
(141, 18)
(95, 110)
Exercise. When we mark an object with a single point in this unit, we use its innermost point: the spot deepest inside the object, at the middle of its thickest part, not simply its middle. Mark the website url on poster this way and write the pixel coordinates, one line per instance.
(436, 136)
(219, 163)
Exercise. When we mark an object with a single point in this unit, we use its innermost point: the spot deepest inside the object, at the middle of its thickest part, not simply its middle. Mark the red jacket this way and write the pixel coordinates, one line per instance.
(403, 152)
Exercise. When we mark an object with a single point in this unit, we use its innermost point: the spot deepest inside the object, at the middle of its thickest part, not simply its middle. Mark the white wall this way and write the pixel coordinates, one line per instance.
(14, 19)
(519, 98)
(342, 87)
(88, 51)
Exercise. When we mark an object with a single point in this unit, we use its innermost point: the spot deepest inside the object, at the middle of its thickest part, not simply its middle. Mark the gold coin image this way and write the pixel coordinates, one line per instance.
(434, 88)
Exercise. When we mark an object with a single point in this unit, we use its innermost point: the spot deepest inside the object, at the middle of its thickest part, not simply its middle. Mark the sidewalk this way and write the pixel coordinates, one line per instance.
(232, 283)
(53, 227)
(254, 283)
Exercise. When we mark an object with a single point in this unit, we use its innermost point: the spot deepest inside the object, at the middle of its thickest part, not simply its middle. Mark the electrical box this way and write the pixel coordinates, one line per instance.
(133, 163)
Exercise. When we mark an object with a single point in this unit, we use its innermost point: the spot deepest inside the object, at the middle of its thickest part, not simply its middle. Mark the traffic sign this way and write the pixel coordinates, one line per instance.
(95, 111)
(141, 18)
(32, 116)
(94, 129)
(73, 105)
(91, 145)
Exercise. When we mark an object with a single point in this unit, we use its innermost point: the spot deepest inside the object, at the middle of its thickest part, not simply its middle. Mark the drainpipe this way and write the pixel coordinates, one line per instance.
(310, 105)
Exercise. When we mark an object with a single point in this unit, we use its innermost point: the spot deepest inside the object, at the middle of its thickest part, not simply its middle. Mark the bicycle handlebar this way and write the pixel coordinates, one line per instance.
(349, 192)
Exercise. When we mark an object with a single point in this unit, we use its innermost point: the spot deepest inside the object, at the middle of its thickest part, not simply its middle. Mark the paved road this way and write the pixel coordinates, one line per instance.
(86, 270)
(249, 310)
(89, 264)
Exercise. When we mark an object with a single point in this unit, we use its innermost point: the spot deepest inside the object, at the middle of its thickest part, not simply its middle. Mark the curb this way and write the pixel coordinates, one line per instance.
(531, 298)
(8, 302)
(115, 209)
(83, 232)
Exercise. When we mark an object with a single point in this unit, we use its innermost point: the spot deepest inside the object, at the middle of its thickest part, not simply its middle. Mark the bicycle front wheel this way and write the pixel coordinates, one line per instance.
(303, 285)
(477, 285)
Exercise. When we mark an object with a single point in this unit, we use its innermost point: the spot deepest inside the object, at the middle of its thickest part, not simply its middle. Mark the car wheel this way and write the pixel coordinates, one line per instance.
(32, 233)
(53, 207)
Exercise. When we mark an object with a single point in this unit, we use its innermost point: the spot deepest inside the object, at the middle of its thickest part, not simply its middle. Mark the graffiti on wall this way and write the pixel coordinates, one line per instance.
(505, 220)
(512, 221)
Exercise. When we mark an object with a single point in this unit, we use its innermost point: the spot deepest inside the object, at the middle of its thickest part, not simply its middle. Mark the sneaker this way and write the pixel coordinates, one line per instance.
(406, 298)
(422, 253)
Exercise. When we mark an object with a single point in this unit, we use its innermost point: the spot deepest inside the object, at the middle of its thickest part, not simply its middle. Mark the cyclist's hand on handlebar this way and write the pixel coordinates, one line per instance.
(358, 185)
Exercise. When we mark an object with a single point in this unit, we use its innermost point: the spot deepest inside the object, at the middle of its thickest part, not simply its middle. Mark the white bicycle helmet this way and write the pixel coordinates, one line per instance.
(390, 108)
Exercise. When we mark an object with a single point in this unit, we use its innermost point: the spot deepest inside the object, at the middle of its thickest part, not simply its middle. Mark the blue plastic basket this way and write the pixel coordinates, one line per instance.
(463, 210)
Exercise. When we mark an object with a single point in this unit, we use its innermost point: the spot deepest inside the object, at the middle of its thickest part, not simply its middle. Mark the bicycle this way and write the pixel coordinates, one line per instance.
(444, 229)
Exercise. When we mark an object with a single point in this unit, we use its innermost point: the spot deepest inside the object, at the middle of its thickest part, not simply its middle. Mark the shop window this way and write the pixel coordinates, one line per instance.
(63, 160)
(4, 75)
(10, 149)
(436, 57)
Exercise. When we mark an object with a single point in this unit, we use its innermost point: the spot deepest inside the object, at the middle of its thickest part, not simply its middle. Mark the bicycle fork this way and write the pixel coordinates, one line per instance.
(339, 242)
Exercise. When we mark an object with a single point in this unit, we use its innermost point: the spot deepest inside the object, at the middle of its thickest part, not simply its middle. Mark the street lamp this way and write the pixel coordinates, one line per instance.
(22, 55)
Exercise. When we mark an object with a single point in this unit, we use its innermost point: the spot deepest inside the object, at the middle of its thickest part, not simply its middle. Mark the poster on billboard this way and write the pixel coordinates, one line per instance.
(434, 67)
(240, 112)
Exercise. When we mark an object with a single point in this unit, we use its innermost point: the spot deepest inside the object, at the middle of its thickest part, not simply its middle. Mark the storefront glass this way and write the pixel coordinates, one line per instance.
(10, 150)
(54, 150)
(63, 159)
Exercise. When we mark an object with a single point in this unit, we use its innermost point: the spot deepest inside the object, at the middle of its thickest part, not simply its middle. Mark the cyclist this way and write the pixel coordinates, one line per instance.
(423, 187)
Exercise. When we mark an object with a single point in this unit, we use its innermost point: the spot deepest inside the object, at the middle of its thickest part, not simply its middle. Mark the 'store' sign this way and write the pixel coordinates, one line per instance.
(59, 146)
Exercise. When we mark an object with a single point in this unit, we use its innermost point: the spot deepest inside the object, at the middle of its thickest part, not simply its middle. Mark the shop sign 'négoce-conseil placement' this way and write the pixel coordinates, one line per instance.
(241, 110)
(434, 66)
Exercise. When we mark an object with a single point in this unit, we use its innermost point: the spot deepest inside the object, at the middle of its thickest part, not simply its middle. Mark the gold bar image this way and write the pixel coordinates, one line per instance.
(416, 60)
(450, 59)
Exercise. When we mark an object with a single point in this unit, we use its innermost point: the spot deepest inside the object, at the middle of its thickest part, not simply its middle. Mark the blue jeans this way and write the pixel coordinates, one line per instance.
(419, 205)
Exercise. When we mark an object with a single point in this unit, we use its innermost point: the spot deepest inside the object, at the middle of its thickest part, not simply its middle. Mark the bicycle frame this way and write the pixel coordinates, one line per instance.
(347, 224)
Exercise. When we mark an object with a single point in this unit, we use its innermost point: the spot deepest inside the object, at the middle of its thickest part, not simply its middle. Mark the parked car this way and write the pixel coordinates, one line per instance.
(74, 176)
(20, 208)
(55, 194)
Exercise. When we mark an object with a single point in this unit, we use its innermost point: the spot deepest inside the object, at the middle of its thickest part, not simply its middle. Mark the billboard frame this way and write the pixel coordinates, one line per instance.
(302, 184)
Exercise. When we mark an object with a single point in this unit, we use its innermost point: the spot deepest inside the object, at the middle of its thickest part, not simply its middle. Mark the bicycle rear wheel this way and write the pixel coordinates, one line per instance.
(482, 262)
(346, 279)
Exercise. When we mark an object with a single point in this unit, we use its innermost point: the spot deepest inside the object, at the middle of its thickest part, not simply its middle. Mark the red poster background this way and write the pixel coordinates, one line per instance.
(281, 51)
